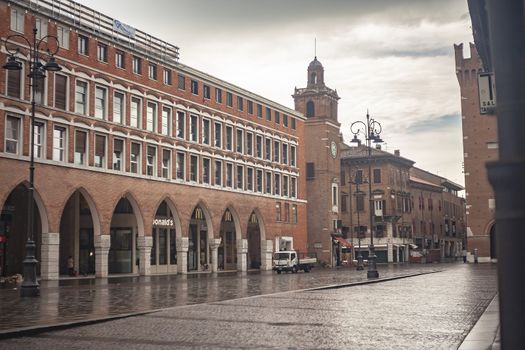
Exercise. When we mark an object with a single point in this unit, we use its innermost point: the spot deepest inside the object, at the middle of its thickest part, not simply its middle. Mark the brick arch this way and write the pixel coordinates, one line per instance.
(95, 217)
(139, 217)
(260, 220)
(176, 217)
(236, 221)
(207, 217)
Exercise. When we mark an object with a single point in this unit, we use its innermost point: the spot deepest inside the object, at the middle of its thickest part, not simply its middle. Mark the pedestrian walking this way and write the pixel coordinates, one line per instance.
(464, 254)
(71, 266)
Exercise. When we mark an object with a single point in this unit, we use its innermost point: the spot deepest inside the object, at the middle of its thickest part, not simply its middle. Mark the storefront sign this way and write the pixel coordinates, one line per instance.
(123, 28)
(487, 95)
(163, 222)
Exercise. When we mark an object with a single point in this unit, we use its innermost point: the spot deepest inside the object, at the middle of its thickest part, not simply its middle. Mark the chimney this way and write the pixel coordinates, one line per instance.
(396, 153)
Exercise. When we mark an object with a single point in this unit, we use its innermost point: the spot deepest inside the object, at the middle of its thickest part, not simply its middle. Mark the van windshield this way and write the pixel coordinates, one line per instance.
(281, 256)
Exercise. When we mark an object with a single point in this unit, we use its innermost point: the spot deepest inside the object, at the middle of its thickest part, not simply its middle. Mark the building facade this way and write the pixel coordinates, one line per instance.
(480, 145)
(417, 216)
(322, 156)
(143, 165)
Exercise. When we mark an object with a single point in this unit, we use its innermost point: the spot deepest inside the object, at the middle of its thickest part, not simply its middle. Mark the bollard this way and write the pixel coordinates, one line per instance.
(475, 255)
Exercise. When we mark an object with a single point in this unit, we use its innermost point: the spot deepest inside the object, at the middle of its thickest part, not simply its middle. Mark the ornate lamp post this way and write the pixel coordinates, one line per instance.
(37, 70)
(371, 131)
(356, 181)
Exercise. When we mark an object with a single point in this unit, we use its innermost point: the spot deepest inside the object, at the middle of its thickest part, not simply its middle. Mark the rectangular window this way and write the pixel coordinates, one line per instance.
(285, 120)
(41, 27)
(14, 83)
(152, 71)
(17, 20)
(206, 92)
(59, 143)
(194, 168)
(240, 103)
(102, 52)
(310, 171)
(80, 147)
(218, 173)
(259, 111)
(360, 202)
(206, 132)
(194, 128)
(194, 87)
(12, 135)
(377, 176)
(166, 76)
(276, 150)
(81, 97)
(218, 95)
(180, 166)
(240, 177)
(60, 91)
(293, 156)
(166, 121)
(181, 124)
(294, 213)
(118, 107)
(181, 82)
(258, 146)
(286, 212)
(135, 158)
(294, 126)
(118, 154)
(250, 107)
(277, 211)
(83, 45)
(166, 163)
(285, 153)
(285, 185)
(229, 175)
(100, 102)
(206, 170)
(293, 187)
(229, 138)
(40, 86)
(277, 117)
(151, 161)
(136, 112)
(119, 59)
(239, 140)
(359, 176)
(259, 180)
(63, 37)
(229, 99)
(277, 184)
(38, 138)
(218, 135)
(268, 183)
(268, 149)
(249, 179)
(249, 143)
(268, 114)
(100, 151)
(151, 117)
(136, 65)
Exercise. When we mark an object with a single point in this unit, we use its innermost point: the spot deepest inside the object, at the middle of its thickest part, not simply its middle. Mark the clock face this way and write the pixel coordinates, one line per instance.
(333, 149)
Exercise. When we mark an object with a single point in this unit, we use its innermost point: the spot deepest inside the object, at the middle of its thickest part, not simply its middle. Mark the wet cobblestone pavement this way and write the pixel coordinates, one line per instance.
(431, 311)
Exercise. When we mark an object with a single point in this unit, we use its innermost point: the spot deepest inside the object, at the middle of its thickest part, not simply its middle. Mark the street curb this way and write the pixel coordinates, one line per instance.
(29, 331)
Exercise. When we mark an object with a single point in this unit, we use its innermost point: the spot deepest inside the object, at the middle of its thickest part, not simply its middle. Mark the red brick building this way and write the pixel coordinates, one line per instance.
(143, 164)
(480, 145)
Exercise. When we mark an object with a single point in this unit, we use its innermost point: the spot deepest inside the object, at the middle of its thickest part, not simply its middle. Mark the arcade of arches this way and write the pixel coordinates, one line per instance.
(123, 247)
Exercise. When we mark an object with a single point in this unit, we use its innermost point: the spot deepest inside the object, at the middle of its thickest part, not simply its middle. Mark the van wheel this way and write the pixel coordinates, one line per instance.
(294, 269)
(278, 272)
(306, 269)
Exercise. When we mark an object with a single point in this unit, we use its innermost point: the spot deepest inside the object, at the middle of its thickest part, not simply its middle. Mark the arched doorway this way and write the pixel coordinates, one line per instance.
(164, 240)
(493, 246)
(14, 231)
(198, 251)
(254, 242)
(123, 254)
(77, 236)
(227, 251)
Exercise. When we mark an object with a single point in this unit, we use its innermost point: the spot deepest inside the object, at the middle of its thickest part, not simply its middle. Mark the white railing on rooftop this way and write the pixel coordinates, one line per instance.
(99, 24)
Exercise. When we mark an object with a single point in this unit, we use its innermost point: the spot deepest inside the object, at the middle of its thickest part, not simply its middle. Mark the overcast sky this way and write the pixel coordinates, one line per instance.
(394, 58)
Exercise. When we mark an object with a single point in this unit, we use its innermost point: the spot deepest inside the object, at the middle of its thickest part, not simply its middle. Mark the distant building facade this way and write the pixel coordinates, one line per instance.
(480, 145)
(143, 165)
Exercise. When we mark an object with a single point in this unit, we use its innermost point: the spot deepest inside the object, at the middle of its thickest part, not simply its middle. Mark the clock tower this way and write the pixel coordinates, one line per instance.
(322, 163)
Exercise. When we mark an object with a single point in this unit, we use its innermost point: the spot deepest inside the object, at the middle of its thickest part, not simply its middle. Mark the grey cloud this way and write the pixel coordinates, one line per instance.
(434, 124)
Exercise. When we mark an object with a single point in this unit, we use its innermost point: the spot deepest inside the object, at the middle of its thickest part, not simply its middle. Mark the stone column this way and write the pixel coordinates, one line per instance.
(144, 243)
(214, 245)
(390, 252)
(102, 245)
(182, 254)
(49, 256)
(242, 250)
(266, 254)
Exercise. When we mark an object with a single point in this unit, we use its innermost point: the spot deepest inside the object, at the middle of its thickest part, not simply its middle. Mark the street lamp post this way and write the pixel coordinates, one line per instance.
(356, 181)
(30, 286)
(371, 131)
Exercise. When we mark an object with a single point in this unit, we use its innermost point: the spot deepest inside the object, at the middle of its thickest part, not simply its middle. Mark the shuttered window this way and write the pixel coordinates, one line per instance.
(13, 83)
(60, 91)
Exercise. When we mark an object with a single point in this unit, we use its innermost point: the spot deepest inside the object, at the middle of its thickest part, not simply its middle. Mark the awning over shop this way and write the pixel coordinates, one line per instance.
(343, 242)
